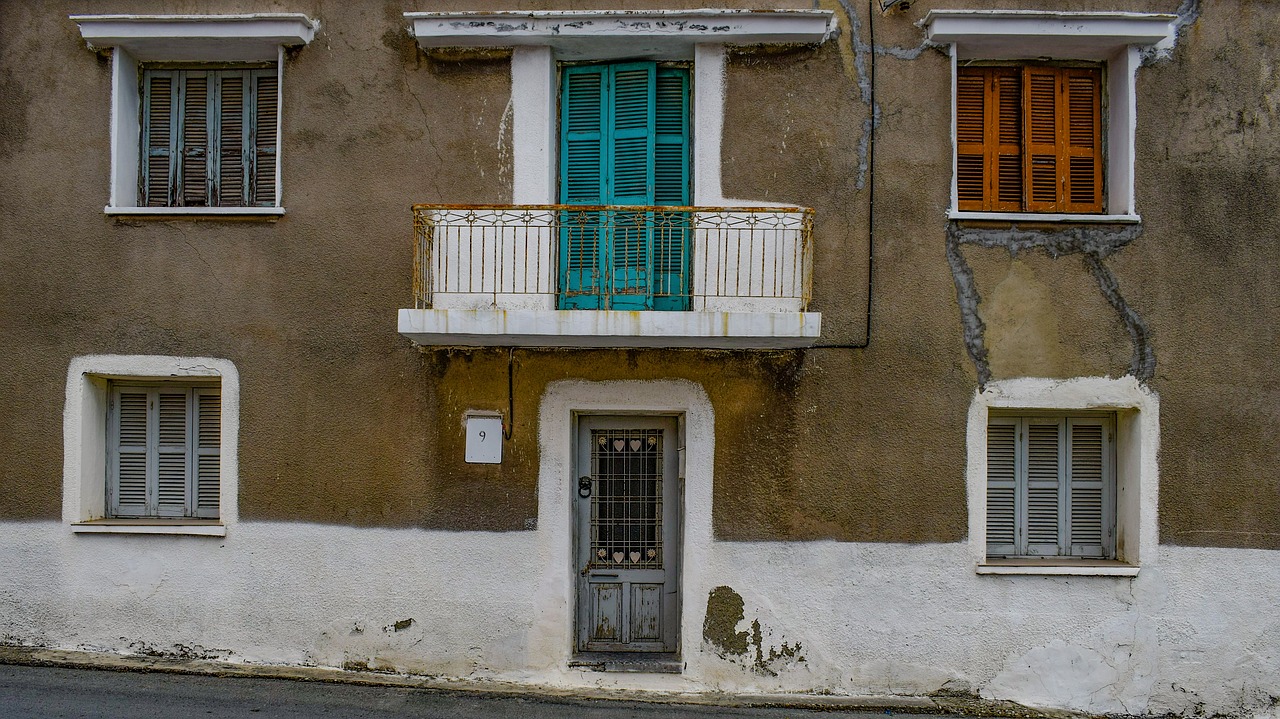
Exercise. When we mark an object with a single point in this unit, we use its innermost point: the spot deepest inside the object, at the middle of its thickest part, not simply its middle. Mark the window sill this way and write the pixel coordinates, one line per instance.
(1054, 566)
(194, 527)
(195, 213)
(1041, 217)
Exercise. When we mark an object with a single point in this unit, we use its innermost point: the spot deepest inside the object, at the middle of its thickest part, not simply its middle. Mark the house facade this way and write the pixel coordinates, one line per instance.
(853, 348)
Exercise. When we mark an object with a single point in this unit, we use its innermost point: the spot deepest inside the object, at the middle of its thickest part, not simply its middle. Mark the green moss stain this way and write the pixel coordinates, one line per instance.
(724, 611)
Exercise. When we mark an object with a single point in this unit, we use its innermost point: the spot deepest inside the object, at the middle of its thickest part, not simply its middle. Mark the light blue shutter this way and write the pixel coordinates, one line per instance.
(171, 456)
(631, 182)
(264, 122)
(1044, 477)
(671, 187)
(1002, 486)
(582, 182)
(207, 441)
(128, 449)
(159, 136)
(1090, 472)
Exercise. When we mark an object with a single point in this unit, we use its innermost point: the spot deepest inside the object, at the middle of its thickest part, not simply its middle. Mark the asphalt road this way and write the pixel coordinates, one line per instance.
(46, 693)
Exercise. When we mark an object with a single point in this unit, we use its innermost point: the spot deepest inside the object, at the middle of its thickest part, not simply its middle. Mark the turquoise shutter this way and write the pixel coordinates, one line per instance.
(631, 182)
(1090, 478)
(264, 122)
(207, 442)
(671, 188)
(127, 450)
(1002, 486)
(159, 136)
(582, 182)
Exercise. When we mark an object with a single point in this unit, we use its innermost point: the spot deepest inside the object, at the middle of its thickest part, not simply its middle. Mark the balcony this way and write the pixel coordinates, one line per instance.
(611, 276)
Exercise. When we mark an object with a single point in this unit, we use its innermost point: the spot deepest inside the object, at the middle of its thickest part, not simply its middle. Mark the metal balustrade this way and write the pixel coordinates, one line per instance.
(748, 259)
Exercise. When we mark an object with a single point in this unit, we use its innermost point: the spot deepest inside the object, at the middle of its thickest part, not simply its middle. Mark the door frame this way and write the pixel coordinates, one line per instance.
(676, 559)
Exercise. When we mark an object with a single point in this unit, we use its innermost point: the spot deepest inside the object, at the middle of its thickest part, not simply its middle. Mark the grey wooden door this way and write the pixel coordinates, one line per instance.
(627, 503)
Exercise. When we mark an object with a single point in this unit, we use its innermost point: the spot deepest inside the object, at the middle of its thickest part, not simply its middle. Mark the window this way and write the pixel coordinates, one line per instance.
(624, 141)
(164, 451)
(195, 110)
(1029, 139)
(209, 137)
(1051, 486)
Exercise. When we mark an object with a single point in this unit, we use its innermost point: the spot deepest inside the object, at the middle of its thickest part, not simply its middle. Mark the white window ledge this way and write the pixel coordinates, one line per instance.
(1057, 567)
(195, 212)
(126, 526)
(629, 31)
(610, 328)
(202, 38)
(1041, 217)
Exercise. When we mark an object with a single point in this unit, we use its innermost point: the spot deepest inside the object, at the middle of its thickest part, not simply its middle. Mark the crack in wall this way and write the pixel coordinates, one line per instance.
(1093, 243)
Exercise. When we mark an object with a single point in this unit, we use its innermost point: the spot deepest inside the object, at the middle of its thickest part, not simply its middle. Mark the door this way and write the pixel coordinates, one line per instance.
(624, 141)
(627, 504)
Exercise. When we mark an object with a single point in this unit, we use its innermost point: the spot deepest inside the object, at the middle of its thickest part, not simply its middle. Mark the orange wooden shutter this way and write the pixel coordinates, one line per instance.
(1082, 145)
(1041, 192)
(1006, 134)
(971, 138)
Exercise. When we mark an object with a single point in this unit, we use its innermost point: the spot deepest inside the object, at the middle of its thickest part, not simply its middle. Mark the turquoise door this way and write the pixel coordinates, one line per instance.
(624, 140)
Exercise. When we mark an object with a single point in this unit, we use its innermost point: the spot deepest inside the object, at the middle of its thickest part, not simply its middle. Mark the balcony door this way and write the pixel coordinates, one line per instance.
(624, 143)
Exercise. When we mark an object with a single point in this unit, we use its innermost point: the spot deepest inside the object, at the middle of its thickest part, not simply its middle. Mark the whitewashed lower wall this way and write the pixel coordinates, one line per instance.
(1199, 633)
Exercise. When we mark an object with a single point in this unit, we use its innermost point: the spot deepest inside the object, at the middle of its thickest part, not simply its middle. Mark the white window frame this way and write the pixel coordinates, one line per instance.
(1137, 442)
(1115, 38)
(85, 437)
(224, 39)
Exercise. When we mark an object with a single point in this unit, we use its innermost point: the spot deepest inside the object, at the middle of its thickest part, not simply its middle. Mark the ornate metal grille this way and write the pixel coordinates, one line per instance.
(626, 498)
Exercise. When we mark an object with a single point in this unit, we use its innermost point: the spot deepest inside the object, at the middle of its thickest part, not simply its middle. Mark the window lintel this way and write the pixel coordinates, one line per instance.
(198, 38)
(1027, 34)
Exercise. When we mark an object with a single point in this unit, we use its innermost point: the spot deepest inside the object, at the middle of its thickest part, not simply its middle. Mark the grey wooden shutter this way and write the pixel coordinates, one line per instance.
(127, 449)
(1002, 486)
(1044, 475)
(231, 180)
(172, 442)
(158, 138)
(1090, 480)
(207, 440)
(265, 120)
(194, 139)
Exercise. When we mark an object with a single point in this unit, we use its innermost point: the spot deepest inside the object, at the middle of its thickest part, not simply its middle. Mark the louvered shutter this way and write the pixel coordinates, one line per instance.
(128, 449)
(159, 137)
(193, 141)
(582, 182)
(266, 86)
(1041, 90)
(671, 188)
(171, 456)
(207, 440)
(1090, 481)
(971, 138)
(1002, 486)
(1044, 475)
(630, 181)
(231, 177)
(1082, 149)
(1005, 140)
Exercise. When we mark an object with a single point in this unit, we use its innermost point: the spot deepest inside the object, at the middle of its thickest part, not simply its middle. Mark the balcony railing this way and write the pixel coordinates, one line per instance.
(743, 259)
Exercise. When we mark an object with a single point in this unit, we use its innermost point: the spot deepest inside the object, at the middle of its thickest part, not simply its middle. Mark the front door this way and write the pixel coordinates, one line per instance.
(627, 504)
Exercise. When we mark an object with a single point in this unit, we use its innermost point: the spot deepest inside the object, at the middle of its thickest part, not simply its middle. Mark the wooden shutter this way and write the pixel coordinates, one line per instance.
(159, 137)
(207, 440)
(1041, 168)
(1082, 134)
(128, 449)
(630, 181)
(582, 182)
(171, 458)
(265, 124)
(671, 187)
(1044, 473)
(1002, 486)
(1090, 485)
(193, 140)
(971, 138)
(231, 179)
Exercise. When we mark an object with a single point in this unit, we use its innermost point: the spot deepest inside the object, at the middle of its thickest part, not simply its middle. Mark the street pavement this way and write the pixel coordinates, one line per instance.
(53, 692)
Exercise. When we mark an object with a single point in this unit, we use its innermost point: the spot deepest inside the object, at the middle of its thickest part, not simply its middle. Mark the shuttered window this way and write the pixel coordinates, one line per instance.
(1051, 486)
(1029, 139)
(164, 451)
(209, 137)
(624, 140)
